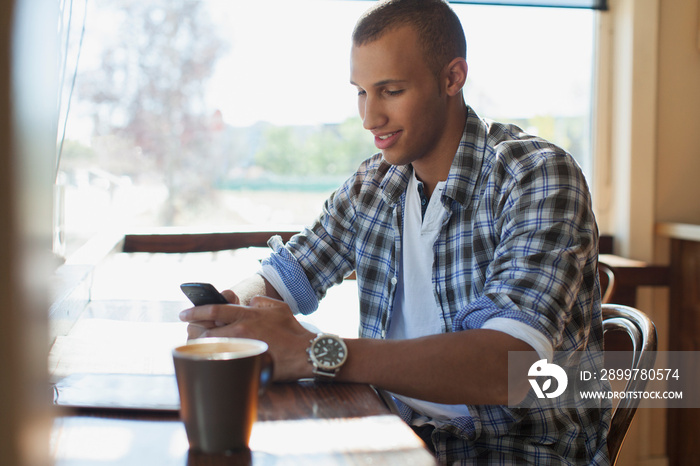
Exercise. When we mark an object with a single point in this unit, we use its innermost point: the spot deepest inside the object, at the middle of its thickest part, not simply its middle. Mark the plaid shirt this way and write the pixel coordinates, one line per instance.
(519, 242)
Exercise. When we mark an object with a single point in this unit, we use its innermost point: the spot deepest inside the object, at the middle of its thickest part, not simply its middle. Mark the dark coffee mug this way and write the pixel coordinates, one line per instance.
(219, 380)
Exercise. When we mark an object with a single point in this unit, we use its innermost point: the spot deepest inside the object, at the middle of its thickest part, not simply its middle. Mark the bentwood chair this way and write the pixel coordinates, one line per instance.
(642, 333)
(607, 282)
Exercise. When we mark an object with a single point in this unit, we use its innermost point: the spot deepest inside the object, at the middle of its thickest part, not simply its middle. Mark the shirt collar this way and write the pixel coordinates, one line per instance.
(466, 166)
(394, 183)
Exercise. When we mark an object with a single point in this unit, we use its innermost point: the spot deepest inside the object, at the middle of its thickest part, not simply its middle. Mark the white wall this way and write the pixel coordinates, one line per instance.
(678, 122)
(626, 125)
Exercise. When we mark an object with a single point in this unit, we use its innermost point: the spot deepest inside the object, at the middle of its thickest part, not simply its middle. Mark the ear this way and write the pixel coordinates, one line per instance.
(456, 76)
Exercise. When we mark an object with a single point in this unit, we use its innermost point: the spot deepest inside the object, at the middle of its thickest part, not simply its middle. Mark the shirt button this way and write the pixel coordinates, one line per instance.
(394, 281)
(383, 333)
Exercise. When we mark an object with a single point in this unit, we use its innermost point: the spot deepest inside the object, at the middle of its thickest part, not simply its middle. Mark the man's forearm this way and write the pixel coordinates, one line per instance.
(468, 367)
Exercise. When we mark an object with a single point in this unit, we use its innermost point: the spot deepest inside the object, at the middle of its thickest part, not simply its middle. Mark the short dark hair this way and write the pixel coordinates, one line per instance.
(439, 29)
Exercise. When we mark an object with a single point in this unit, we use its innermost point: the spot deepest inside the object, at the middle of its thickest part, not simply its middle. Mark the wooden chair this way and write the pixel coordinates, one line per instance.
(642, 333)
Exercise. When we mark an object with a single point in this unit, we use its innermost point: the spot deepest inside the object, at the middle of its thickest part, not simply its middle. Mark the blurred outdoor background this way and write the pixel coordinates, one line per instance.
(227, 115)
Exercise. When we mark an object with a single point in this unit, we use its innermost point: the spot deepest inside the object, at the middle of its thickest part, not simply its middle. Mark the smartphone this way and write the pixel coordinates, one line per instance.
(202, 293)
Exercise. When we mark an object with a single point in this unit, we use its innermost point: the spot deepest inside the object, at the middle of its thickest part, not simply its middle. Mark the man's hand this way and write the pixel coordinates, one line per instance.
(265, 319)
(196, 329)
(245, 291)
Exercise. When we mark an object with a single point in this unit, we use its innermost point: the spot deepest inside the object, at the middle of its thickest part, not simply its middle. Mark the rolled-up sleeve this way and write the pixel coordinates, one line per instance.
(546, 236)
(318, 257)
(285, 274)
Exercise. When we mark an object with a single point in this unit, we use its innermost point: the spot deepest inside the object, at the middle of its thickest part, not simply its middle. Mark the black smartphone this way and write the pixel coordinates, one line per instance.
(202, 293)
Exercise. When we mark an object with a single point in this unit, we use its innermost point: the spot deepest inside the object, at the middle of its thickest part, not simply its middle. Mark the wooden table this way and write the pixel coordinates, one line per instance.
(129, 325)
(298, 423)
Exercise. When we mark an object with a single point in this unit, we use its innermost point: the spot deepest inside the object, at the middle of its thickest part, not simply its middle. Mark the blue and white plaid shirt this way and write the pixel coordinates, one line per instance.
(519, 242)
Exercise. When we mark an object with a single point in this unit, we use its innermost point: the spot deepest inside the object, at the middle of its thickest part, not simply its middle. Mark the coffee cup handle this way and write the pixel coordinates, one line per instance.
(266, 371)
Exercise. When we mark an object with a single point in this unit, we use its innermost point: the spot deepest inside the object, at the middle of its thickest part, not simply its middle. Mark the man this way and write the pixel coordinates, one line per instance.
(469, 239)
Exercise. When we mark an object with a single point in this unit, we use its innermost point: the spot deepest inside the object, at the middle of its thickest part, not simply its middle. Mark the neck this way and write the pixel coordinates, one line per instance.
(434, 169)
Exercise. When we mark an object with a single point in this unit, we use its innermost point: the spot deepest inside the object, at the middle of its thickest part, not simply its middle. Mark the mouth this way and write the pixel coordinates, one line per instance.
(385, 141)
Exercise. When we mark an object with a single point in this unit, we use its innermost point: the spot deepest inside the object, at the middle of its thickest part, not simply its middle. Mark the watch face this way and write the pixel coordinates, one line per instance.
(329, 352)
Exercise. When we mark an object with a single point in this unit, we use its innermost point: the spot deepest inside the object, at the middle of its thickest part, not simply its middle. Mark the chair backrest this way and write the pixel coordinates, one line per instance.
(642, 333)
(607, 282)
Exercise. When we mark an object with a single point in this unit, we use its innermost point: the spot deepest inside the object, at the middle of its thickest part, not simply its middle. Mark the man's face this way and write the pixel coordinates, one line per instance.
(398, 97)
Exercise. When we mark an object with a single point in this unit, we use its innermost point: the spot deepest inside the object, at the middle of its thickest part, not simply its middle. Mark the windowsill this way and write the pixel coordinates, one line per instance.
(149, 266)
(71, 282)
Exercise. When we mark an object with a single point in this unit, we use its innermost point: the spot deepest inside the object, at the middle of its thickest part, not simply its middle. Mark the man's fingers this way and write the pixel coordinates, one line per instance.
(194, 330)
(204, 324)
(264, 301)
(231, 297)
(230, 331)
(225, 313)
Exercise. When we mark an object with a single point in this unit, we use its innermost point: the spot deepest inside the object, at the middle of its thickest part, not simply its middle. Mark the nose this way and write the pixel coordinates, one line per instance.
(372, 113)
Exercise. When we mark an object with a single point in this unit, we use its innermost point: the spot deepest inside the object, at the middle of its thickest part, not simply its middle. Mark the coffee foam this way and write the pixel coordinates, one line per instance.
(221, 349)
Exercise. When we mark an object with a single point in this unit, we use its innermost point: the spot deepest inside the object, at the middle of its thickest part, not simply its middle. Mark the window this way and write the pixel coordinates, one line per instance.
(533, 67)
(229, 115)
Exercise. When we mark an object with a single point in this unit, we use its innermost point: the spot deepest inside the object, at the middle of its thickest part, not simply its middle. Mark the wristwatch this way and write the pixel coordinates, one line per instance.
(327, 354)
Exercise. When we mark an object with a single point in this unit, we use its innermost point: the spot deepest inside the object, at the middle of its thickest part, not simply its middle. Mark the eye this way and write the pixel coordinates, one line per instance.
(392, 93)
(361, 92)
